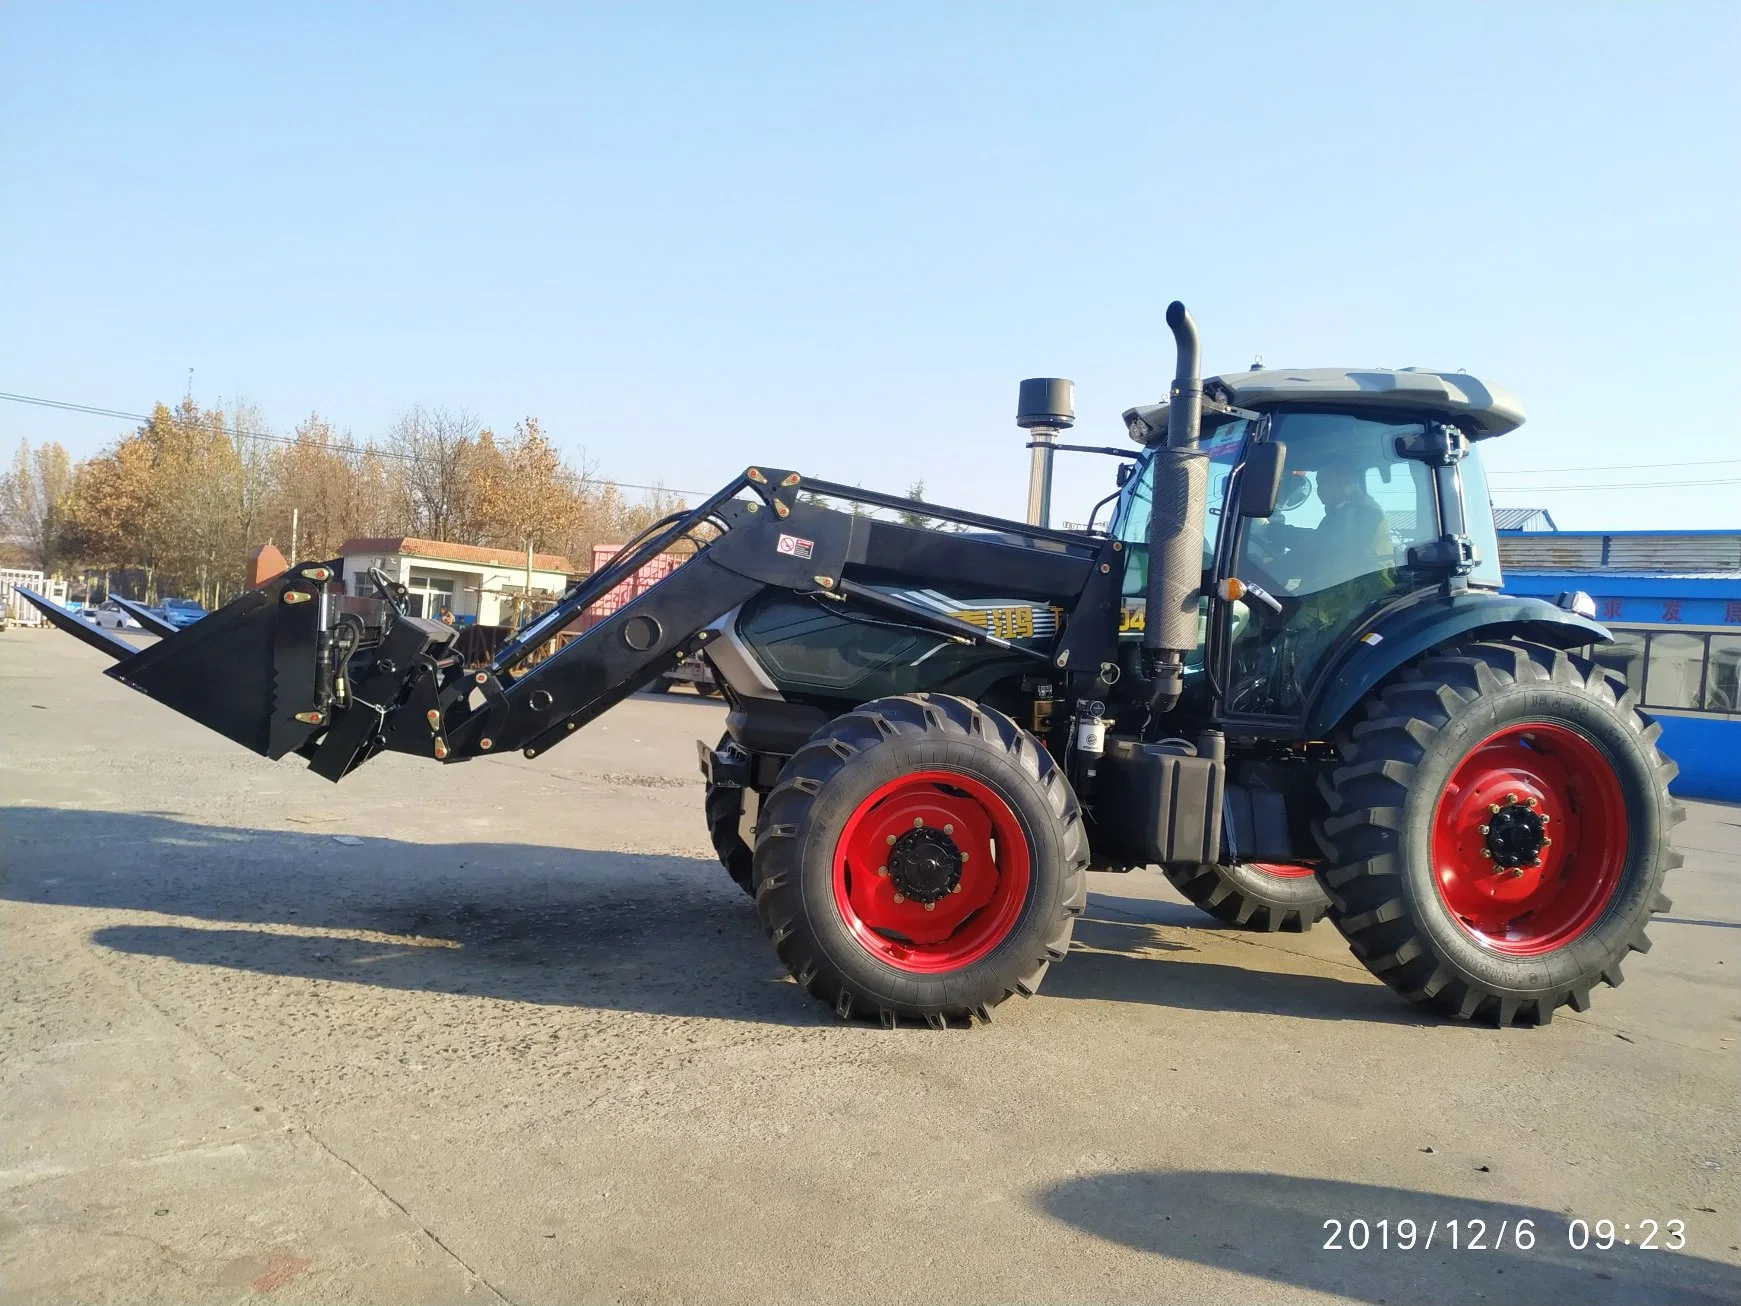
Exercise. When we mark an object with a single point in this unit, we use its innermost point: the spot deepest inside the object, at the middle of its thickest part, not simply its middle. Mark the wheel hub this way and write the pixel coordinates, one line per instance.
(932, 870)
(1530, 841)
(1516, 834)
(925, 864)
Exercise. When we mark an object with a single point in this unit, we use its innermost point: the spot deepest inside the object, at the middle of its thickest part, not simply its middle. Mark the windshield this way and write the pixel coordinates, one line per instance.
(1223, 445)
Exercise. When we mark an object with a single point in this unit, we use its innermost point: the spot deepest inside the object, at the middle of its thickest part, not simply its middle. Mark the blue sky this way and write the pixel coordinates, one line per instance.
(834, 237)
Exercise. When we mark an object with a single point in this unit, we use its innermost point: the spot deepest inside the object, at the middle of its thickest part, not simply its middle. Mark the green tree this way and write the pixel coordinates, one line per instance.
(911, 517)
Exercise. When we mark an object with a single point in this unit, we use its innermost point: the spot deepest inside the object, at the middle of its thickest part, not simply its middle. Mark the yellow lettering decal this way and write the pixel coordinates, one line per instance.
(1005, 623)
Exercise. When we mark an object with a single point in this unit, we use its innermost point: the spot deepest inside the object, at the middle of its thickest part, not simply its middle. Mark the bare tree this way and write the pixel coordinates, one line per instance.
(33, 498)
(436, 450)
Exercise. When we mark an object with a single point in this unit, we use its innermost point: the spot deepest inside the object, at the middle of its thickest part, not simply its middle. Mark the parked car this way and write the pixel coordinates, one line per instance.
(181, 612)
(110, 616)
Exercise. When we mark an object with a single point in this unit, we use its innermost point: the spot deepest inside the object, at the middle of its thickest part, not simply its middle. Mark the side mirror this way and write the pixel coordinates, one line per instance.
(1124, 473)
(1260, 484)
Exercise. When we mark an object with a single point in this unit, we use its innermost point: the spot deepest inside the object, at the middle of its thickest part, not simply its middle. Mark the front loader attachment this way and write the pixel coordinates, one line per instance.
(247, 671)
(298, 665)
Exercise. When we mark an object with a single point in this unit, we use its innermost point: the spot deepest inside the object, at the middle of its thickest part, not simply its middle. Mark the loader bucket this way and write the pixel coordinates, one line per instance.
(245, 671)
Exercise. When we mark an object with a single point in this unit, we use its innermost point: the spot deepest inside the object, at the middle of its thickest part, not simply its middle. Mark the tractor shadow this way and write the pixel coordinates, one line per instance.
(1163, 957)
(666, 935)
(1274, 1227)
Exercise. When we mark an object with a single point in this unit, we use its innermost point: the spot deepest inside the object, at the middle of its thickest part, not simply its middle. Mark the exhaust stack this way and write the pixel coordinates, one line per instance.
(1046, 406)
(1175, 583)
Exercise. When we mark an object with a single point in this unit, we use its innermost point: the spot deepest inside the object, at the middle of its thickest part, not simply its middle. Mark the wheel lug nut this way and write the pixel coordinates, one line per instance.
(1546, 818)
(1493, 807)
(1487, 853)
(949, 829)
(1546, 842)
(964, 854)
(1483, 829)
(1511, 798)
(930, 906)
(918, 823)
(900, 897)
(956, 889)
(882, 870)
(1535, 802)
(891, 838)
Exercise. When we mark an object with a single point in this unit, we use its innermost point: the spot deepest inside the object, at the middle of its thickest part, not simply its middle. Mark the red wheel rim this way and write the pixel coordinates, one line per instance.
(1285, 870)
(963, 925)
(1559, 776)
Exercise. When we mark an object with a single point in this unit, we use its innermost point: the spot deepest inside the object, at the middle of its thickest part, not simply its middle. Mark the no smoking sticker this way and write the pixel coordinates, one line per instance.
(797, 547)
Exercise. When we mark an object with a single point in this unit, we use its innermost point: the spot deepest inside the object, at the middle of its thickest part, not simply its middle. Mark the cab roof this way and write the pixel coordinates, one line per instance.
(1481, 410)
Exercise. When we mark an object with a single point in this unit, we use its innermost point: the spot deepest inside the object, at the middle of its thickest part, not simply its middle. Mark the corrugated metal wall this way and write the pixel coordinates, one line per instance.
(1674, 552)
(1541, 551)
(1668, 552)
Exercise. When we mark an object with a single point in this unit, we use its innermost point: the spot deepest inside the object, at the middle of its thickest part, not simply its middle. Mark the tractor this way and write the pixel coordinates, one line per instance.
(1284, 671)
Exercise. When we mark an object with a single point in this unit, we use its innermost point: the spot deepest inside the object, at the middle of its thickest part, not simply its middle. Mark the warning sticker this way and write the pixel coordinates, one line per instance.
(797, 547)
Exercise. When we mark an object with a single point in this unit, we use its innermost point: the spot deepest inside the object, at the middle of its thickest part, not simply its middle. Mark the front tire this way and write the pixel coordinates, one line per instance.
(725, 809)
(920, 858)
(1499, 833)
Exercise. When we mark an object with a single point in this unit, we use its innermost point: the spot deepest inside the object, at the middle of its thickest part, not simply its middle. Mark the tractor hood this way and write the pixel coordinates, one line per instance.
(1481, 410)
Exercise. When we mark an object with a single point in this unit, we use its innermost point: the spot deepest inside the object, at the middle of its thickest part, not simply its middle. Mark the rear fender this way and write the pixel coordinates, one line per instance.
(1403, 633)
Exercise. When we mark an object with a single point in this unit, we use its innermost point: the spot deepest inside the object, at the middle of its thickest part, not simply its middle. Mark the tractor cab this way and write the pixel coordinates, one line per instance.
(1382, 499)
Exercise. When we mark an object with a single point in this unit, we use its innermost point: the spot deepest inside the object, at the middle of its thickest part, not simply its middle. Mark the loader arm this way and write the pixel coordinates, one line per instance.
(298, 665)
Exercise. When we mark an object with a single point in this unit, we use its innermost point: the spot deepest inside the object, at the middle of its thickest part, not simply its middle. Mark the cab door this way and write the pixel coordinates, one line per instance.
(1334, 555)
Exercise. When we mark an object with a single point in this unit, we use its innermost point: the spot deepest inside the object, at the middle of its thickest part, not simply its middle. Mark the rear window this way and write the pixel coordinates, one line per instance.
(1478, 520)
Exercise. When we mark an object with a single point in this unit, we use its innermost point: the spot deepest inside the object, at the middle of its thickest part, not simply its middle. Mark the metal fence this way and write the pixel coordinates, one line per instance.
(18, 612)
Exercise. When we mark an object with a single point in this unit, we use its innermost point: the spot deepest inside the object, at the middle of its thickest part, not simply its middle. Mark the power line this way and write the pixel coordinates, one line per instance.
(1611, 467)
(1635, 485)
(240, 434)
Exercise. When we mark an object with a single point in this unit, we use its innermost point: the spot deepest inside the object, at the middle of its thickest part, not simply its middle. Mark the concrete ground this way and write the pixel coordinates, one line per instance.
(505, 1032)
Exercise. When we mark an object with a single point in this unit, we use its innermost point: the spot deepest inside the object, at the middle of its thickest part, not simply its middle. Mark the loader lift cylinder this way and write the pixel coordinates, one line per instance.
(1175, 536)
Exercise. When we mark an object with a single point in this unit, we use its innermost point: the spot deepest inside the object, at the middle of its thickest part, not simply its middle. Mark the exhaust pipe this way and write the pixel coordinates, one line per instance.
(1175, 585)
(1045, 406)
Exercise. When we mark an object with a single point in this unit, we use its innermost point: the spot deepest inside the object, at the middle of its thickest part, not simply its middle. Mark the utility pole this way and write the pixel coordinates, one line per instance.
(295, 524)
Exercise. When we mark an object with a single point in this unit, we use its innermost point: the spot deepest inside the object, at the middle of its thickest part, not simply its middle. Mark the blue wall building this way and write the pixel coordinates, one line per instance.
(1673, 601)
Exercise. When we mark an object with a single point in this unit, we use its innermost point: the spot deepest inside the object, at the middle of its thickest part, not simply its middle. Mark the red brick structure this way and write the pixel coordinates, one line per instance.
(264, 563)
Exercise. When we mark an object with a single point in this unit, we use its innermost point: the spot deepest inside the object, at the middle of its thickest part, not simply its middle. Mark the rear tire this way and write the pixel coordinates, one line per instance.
(1499, 833)
(920, 858)
(1254, 895)
(657, 685)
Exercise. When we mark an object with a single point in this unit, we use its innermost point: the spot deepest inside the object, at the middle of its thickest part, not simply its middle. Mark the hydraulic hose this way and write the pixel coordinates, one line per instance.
(1181, 478)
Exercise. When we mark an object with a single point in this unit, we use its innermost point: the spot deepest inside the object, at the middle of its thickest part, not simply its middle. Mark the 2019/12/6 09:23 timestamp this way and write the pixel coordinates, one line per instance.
(1359, 1234)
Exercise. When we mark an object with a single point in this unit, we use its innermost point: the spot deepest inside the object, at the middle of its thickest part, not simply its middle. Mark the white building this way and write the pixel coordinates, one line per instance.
(467, 579)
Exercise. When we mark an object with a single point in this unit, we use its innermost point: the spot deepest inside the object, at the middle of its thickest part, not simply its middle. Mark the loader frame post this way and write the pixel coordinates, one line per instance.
(627, 562)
